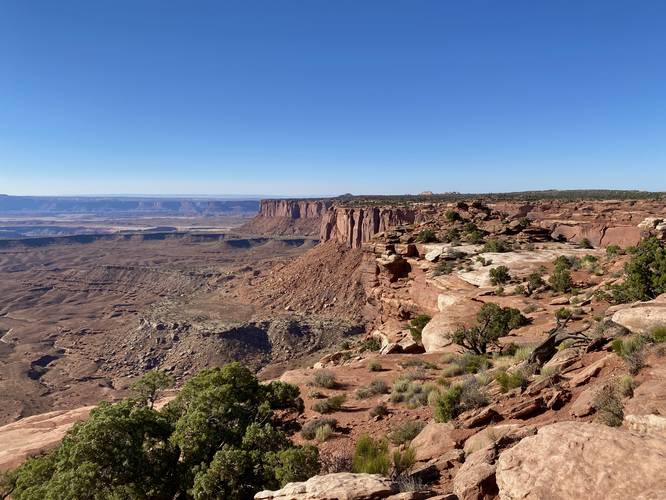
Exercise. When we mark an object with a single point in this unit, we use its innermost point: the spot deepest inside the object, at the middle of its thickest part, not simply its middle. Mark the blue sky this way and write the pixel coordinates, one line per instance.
(313, 97)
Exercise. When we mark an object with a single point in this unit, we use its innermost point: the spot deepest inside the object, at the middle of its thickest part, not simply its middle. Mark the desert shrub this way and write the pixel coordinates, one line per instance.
(370, 344)
(203, 444)
(585, 243)
(471, 363)
(451, 236)
(564, 262)
(336, 461)
(375, 366)
(631, 351)
(658, 335)
(427, 236)
(608, 406)
(534, 281)
(379, 387)
(379, 410)
(323, 433)
(520, 290)
(325, 379)
(626, 386)
(511, 380)
(452, 216)
(549, 371)
(406, 432)
(560, 280)
(408, 483)
(613, 250)
(375, 387)
(292, 464)
(403, 461)
(530, 309)
(645, 273)
(459, 398)
(475, 237)
(563, 313)
(410, 363)
(364, 393)
(444, 268)
(416, 326)
(493, 322)
(414, 394)
(496, 246)
(329, 405)
(499, 275)
(371, 456)
(309, 430)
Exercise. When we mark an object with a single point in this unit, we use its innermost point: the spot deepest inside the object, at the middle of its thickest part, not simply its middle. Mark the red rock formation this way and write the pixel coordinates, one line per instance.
(355, 226)
(294, 209)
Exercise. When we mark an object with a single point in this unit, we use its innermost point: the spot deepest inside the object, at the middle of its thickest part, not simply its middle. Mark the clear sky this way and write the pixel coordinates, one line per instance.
(314, 97)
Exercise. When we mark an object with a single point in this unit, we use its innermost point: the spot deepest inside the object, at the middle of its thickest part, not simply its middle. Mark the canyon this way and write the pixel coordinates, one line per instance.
(335, 285)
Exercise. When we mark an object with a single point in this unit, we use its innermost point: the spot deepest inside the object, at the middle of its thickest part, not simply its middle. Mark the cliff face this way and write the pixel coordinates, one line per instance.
(293, 209)
(287, 217)
(355, 226)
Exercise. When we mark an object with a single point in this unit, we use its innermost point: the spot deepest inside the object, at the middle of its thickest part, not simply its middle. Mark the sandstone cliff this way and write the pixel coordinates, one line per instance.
(288, 217)
(355, 226)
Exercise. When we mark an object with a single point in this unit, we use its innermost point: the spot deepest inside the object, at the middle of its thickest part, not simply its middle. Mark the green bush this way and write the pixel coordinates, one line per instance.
(371, 456)
(427, 236)
(334, 403)
(444, 268)
(613, 250)
(632, 351)
(403, 461)
(658, 334)
(370, 344)
(585, 243)
(309, 430)
(534, 281)
(496, 246)
(493, 322)
(406, 432)
(608, 406)
(417, 325)
(323, 433)
(499, 275)
(560, 280)
(325, 379)
(375, 366)
(645, 273)
(508, 381)
(375, 387)
(224, 436)
(459, 398)
(626, 386)
(379, 411)
(452, 216)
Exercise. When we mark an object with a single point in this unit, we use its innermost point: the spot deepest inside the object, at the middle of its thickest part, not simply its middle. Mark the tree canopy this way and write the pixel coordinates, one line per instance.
(225, 435)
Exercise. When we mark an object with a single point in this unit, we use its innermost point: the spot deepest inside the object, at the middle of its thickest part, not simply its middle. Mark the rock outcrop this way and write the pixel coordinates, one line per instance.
(572, 460)
(33, 435)
(454, 313)
(355, 226)
(642, 317)
(338, 486)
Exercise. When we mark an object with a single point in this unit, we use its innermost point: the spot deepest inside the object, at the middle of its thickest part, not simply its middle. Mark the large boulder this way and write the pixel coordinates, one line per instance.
(506, 433)
(454, 313)
(475, 480)
(642, 317)
(338, 486)
(434, 440)
(573, 460)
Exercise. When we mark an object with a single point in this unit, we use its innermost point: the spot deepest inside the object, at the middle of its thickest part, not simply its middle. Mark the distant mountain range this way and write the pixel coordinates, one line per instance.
(58, 205)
